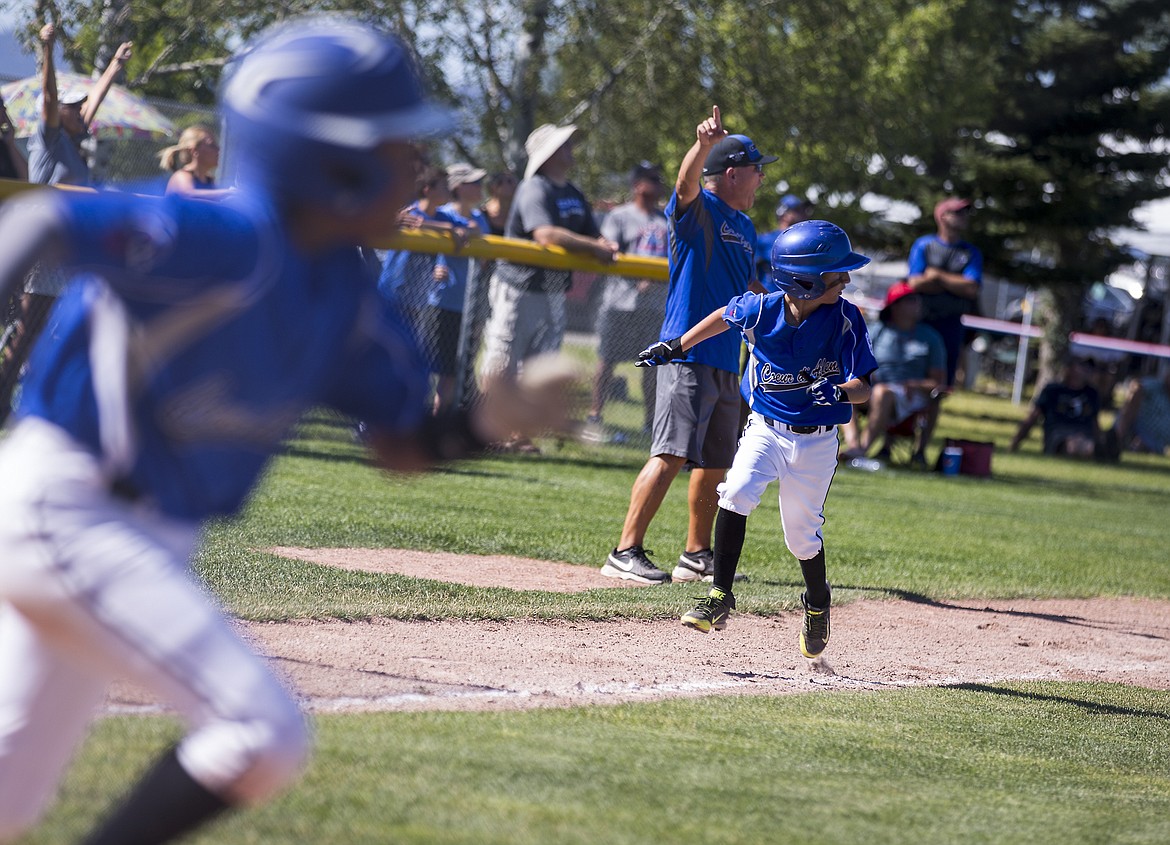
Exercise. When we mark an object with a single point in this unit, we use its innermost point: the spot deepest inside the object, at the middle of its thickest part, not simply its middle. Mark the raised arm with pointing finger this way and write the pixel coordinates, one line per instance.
(712, 260)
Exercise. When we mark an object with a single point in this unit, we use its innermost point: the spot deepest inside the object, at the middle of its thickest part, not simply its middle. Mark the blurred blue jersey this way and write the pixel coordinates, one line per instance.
(194, 335)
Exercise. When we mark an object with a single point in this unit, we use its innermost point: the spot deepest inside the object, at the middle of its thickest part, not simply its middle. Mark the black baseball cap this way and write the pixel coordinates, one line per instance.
(734, 151)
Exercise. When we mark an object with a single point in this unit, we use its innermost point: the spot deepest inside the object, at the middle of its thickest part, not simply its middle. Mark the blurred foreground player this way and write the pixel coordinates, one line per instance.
(192, 336)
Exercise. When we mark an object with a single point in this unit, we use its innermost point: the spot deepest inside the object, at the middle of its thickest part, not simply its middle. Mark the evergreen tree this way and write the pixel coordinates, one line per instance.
(1074, 146)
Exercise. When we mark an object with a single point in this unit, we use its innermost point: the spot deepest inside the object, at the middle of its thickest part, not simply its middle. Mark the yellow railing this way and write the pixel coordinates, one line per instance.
(483, 247)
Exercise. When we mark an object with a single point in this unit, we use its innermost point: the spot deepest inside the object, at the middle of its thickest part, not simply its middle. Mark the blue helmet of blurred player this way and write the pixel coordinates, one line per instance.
(806, 250)
(316, 98)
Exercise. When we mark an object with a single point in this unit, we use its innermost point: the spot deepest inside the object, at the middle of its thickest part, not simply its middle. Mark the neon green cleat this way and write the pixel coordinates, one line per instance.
(711, 612)
(814, 633)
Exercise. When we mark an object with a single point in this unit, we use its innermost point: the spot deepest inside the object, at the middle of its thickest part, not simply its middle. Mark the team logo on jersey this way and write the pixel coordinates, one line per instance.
(777, 381)
(731, 236)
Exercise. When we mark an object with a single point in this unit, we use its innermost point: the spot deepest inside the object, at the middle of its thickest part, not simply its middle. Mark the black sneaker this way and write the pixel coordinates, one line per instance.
(632, 564)
(711, 612)
(695, 566)
(698, 566)
(814, 633)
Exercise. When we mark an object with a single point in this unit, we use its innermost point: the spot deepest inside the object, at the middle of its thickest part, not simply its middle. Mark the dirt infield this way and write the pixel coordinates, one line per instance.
(394, 665)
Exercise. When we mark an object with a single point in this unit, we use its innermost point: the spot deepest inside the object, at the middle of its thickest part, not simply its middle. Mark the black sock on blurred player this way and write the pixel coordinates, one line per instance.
(730, 528)
(816, 591)
(165, 804)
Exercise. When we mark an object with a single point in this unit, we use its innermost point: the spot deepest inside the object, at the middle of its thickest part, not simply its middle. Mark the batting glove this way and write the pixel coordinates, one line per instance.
(660, 353)
(824, 392)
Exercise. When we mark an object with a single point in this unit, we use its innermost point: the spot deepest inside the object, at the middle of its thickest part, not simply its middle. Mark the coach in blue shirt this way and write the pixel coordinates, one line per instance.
(712, 260)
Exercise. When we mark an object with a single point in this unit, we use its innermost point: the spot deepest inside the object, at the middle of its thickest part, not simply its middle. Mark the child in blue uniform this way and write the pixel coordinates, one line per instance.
(192, 337)
(810, 360)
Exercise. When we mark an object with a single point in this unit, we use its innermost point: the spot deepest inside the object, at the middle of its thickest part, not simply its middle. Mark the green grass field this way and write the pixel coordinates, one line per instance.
(1039, 762)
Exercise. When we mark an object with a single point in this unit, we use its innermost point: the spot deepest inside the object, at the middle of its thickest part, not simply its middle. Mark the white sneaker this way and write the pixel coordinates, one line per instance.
(698, 566)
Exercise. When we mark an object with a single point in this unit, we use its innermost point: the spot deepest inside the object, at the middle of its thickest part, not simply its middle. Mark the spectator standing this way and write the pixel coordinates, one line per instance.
(810, 360)
(631, 309)
(192, 163)
(411, 277)
(948, 272)
(54, 158)
(790, 210)
(162, 394)
(527, 302)
(445, 308)
(54, 150)
(1069, 406)
(697, 401)
(910, 378)
(501, 189)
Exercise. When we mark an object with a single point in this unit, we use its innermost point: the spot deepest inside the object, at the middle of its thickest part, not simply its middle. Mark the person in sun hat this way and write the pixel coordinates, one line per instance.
(527, 302)
(948, 273)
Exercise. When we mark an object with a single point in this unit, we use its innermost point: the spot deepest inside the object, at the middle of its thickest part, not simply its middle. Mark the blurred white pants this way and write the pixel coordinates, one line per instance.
(94, 588)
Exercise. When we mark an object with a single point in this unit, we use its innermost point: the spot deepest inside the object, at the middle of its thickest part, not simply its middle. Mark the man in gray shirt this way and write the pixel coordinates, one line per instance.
(631, 309)
(528, 303)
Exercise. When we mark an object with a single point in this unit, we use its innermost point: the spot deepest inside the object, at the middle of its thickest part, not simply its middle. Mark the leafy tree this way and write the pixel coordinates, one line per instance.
(1075, 144)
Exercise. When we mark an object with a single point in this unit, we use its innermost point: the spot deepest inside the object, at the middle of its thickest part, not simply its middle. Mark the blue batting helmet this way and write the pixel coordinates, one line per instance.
(310, 101)
(803, 251)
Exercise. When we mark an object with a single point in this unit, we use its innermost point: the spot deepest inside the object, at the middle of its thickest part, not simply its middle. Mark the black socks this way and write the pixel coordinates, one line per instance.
(166, 803)
(730, 528)
(813, 570)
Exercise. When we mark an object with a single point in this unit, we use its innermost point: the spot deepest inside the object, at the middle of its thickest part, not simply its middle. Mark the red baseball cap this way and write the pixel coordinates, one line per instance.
(950, 204)
(898, 290)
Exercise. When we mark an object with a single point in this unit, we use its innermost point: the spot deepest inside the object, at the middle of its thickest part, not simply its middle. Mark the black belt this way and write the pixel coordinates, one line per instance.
(799, 429)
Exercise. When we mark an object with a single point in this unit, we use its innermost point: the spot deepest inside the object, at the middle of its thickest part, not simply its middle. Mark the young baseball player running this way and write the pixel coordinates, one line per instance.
(810, 360)
(175, 363)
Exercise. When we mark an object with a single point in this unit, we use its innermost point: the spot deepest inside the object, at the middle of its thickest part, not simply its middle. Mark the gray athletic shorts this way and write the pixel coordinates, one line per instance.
(696, 415)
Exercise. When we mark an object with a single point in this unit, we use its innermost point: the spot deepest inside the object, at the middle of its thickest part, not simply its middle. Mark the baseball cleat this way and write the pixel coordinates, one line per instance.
(632, 564)
(814, 632)
(711, 612)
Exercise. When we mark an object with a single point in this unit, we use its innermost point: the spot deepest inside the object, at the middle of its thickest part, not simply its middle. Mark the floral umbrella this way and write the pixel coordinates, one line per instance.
(121, 114)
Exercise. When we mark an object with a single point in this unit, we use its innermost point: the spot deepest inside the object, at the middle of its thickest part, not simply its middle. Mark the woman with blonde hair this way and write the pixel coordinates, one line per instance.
(192, 163)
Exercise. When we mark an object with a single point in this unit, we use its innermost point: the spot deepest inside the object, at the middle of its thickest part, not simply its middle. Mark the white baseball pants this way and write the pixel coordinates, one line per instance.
(93, 588)
(803, 464)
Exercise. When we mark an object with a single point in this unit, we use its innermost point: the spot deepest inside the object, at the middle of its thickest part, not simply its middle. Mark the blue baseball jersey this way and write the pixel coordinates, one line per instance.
(194, 335)
(831, 343)
(450, 294)
(409, 276)
(712, 251)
